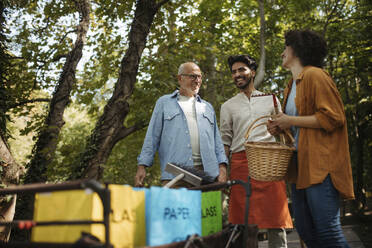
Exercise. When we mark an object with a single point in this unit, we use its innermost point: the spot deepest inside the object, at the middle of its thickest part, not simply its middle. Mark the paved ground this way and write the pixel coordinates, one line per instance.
(294, 242)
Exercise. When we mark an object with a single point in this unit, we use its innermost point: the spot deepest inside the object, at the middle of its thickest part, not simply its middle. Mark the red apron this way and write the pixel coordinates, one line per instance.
(268, 206)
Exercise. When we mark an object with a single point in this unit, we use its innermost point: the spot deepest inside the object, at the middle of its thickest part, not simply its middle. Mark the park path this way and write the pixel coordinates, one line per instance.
(294, 241)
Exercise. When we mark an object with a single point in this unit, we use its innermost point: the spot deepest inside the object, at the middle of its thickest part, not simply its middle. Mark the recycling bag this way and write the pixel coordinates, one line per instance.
(211, 207)
(172, 215)
(127, 224)
(127, 220)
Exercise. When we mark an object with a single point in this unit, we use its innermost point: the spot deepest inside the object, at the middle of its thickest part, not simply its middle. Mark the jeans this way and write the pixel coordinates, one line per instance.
(317, 215)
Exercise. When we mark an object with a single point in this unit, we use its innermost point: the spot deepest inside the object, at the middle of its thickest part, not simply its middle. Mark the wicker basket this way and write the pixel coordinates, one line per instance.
(267, 161)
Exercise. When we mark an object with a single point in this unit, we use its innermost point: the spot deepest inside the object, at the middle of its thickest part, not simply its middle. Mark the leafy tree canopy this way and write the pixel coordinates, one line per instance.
(40, 34)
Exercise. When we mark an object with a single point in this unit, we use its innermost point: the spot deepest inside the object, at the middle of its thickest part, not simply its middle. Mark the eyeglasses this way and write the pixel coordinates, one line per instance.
(193, 76)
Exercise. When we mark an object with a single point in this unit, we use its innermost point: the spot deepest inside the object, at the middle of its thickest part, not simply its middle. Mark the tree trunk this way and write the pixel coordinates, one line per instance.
(211, 91)
(211, 73)
(10, 175)
(47, 141)
(10, 171)
(7, 211)
(261, 68)
(44, 149)
(110, 128)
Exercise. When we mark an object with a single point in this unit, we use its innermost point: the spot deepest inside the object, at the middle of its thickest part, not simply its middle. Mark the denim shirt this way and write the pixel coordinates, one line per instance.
(168, 134)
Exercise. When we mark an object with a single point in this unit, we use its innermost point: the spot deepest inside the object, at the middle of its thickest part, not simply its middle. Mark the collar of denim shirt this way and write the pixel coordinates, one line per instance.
(176, 93)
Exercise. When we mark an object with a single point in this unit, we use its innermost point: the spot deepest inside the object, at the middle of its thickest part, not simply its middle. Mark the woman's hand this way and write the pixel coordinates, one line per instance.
(280, 121)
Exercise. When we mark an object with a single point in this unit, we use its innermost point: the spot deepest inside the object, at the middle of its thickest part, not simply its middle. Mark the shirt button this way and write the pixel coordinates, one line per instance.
(187, 131)
(189, 158)
(188, 145)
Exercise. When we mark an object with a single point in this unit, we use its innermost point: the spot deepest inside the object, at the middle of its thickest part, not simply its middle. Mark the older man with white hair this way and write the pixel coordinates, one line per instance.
(183, 130)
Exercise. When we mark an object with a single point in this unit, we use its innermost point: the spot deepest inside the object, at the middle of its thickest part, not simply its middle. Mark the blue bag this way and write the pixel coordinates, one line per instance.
(172, 215)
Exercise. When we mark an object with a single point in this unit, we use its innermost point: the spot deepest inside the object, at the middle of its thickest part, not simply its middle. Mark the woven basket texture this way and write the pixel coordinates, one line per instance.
(267, 161)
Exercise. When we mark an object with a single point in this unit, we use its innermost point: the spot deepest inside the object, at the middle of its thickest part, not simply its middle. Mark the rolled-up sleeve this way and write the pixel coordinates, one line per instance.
(328, 103)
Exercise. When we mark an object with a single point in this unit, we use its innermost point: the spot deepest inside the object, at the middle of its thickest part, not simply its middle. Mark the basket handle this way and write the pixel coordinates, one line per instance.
(251, 127)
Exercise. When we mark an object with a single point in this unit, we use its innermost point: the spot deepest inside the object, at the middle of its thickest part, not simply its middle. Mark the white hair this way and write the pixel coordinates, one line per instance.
(181, 68)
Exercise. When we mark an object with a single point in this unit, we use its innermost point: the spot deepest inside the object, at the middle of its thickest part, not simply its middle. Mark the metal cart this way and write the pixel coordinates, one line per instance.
(102, 191)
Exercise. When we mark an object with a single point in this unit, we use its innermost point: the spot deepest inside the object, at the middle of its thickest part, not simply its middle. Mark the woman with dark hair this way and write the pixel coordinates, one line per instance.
(321, 171)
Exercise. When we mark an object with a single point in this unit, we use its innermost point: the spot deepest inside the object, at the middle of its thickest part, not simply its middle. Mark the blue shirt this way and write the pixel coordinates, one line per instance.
(290, 109)
(168, 134)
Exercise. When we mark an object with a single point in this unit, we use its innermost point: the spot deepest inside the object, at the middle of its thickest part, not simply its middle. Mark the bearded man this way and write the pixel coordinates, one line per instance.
(268, 202)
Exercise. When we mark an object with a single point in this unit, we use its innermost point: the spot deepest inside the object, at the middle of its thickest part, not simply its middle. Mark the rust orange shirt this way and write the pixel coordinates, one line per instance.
(326, 150)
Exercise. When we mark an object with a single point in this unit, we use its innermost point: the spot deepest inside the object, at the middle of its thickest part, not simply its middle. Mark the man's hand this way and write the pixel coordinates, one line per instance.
(222, 177)
(140, 176)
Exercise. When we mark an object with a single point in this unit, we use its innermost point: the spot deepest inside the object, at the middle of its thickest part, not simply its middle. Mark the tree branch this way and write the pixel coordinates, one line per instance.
(161, 3)
(28, 101)
(57, 57)
(330, 16)
(261, 68)
(125, 131)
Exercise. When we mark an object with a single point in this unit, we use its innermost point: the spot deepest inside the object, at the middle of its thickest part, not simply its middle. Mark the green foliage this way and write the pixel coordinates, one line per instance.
(73, 139)
(122, 164)
(203, 31)
(4, 68)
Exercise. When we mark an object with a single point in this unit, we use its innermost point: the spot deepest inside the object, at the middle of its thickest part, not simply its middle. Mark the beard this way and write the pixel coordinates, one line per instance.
(189, 90)
(243, 86)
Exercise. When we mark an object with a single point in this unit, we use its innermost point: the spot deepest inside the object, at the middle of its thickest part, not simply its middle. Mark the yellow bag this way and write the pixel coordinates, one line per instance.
(127, 221)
